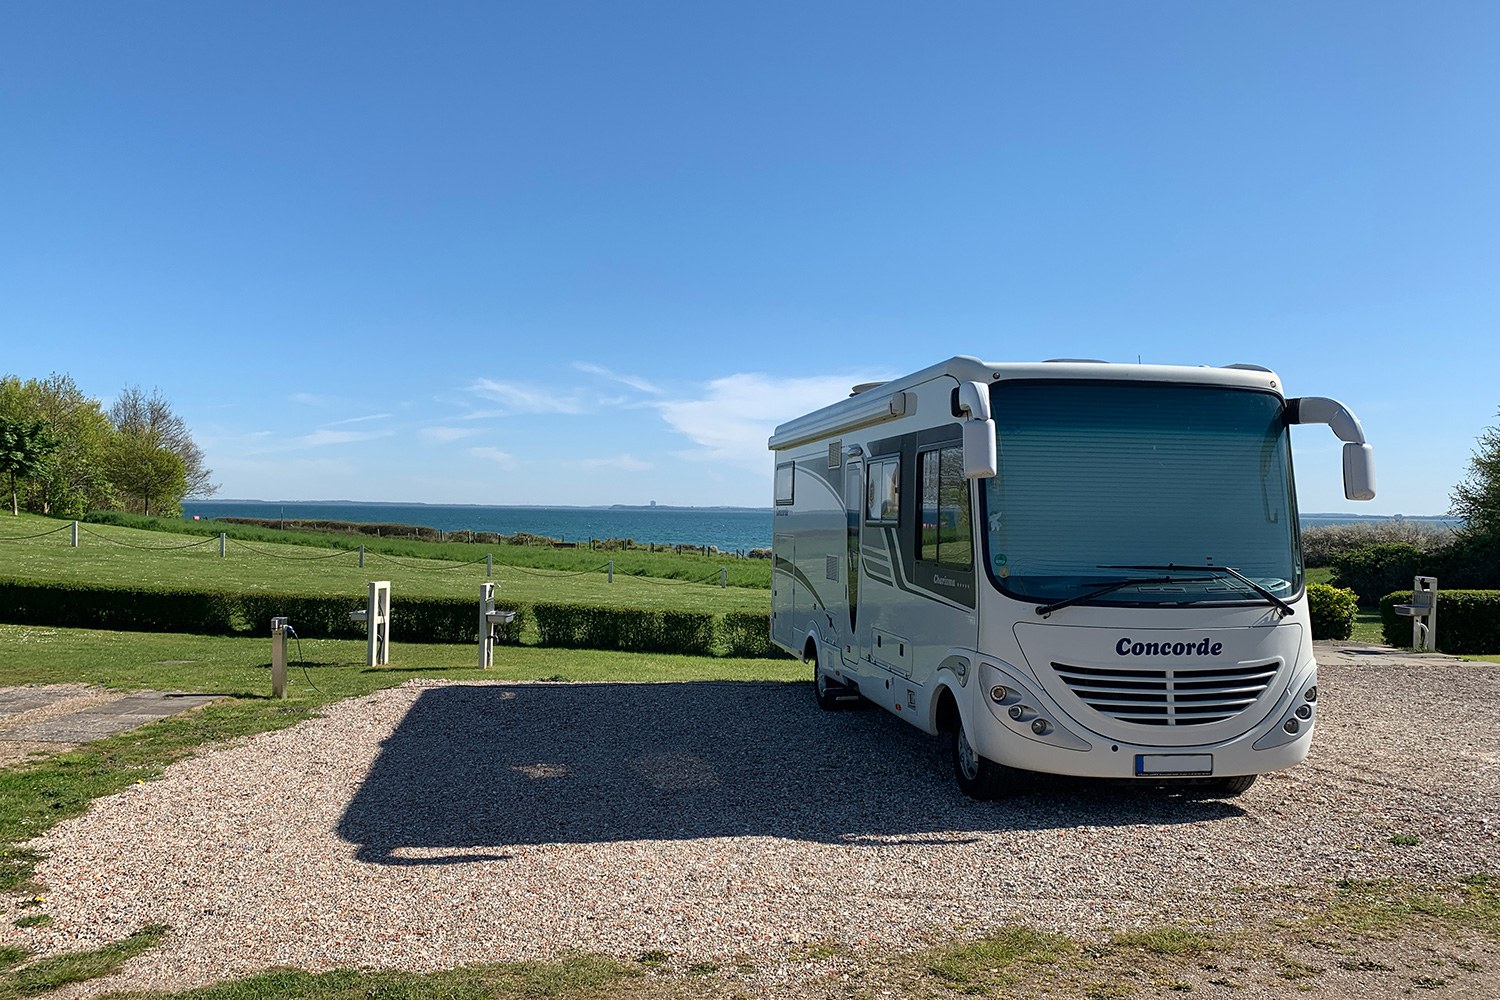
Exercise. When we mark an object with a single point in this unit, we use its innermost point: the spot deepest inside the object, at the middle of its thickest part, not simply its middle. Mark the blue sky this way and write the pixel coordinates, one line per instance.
(591, 253)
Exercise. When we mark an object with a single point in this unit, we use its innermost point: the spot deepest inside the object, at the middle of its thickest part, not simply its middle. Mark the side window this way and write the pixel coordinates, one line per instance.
(944, 536)
(883, 490)
(784, 483)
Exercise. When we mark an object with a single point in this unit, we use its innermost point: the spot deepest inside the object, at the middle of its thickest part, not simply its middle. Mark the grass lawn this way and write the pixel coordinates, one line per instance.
(106, 554)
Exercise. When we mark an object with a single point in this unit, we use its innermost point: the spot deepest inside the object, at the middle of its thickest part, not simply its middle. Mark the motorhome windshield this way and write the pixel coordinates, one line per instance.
(1097, 479)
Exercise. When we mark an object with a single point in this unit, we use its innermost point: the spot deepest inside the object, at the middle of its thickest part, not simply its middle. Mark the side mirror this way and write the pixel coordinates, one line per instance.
(981, 456)
(1359, 458)
(1359, 472)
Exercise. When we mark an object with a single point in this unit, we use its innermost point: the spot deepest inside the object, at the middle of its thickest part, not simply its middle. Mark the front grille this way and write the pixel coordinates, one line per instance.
(1185, 696)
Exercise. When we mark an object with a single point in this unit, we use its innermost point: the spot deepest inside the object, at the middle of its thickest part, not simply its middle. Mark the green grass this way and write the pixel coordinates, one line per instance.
(573, 976)
(283, 568)
(632, 562)
(48, 974)
(34, 797)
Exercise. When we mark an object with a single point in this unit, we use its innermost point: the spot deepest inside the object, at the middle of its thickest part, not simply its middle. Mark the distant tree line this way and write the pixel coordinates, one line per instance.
(63, 454)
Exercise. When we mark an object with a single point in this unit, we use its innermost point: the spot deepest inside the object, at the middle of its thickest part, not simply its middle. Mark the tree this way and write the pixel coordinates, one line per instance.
(1477, 498)
(25, 449)
(135, 413)
(76, 480)
(149, 474)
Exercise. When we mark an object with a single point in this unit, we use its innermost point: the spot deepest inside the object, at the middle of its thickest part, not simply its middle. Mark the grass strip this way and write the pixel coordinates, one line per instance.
(48, 974)
(572, 976)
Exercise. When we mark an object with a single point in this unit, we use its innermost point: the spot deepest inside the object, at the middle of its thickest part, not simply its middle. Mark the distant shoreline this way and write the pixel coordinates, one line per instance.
(485, 506)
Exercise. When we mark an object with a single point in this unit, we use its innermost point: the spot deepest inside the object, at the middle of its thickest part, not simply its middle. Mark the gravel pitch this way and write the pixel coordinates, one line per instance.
(432, 825)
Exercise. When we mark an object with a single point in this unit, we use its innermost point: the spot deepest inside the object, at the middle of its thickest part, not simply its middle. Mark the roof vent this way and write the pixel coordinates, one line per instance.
(1249, 368)
(1074, 361)
(865, 387)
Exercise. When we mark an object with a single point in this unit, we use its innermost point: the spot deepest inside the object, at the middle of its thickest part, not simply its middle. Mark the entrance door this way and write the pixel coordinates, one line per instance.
(784, 562)
(854, 494)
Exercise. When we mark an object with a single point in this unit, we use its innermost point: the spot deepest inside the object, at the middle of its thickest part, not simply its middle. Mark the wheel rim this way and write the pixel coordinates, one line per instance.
(822, 680)
(968, 760)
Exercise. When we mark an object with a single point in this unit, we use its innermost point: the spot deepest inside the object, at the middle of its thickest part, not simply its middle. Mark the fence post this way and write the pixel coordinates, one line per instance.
(361, 556)
(489, 564)
(221, 544)
(75, 534)
(723, 577)
(611, 571)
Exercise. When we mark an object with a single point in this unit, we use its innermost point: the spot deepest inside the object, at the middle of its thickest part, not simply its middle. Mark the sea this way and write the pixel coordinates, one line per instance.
(731, 529)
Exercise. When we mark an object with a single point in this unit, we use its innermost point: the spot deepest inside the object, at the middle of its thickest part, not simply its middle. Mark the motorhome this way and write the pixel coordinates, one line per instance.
(1070, 566)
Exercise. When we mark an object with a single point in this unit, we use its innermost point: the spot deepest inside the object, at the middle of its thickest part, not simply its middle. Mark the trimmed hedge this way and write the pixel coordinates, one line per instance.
(1378, 569)
(1332, 610)
(413, 619)
(579, 626)
(214, 612)
(1468, 621)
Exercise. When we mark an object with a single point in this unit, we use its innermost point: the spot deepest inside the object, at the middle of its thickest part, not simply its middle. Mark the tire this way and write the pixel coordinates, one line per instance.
(977, 777)
(825, 691)
(1231, 786)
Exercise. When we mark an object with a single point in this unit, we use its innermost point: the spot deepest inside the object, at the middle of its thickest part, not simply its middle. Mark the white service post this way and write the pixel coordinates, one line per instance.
(377, 618)
(1423, 612)
(489, 620)
(278, 657)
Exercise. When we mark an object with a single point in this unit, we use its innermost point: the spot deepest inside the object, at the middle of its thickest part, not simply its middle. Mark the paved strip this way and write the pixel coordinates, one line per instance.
(106, 720)
(23, 699)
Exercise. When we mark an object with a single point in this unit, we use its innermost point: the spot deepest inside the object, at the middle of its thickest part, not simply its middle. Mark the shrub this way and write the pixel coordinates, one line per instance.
(1378, 569)
(1332, 610)
(1468, 621)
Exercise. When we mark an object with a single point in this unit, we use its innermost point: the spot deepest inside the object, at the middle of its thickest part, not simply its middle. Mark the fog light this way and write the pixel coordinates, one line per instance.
(1040, 727)
(997, 693)
(1016, 712)
(1311, 694)
(1291, 725)
(1304, 711)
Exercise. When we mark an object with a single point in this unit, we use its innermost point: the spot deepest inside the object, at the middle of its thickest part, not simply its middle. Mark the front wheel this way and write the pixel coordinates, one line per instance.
(977, 777)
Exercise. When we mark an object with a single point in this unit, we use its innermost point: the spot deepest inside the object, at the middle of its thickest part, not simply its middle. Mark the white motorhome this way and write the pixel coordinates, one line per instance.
(1071, 567)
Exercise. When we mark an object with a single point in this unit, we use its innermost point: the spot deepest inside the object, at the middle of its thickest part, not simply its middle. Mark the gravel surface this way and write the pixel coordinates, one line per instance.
(432, 825)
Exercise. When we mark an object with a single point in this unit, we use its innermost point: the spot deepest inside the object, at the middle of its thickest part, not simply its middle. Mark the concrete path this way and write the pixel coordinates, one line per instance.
(1350, 653)
(14, 701)
(92, 722)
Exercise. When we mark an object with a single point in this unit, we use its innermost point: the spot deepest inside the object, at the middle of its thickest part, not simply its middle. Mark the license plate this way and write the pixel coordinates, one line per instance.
(1174, 763)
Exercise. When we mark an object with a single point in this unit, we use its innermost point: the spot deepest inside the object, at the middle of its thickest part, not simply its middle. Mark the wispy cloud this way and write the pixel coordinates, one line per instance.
(308, 399)
(505, 459)
(324, 437)
(517, 399)
(357, 420)
(443, 435)
(736, 414)
(634, 381)
(623, 461)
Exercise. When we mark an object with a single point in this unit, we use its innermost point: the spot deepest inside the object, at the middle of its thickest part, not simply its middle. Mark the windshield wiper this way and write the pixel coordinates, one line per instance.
(1281, 605)
(1047, 609)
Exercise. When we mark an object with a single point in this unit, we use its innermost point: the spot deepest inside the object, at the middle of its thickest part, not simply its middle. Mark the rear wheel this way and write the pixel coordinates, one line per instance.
(1233, 785)
(824, 690)
(977, 777)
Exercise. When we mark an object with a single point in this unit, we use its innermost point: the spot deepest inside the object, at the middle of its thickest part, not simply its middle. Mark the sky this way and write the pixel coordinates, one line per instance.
(592, 253)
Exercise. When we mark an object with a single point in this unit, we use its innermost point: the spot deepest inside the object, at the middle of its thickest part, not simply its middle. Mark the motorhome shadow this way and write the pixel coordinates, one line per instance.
(473, 770)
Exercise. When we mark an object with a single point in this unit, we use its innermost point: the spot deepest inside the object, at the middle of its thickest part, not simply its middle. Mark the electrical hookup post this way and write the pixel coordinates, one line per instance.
(376, 616)
(279, 630)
